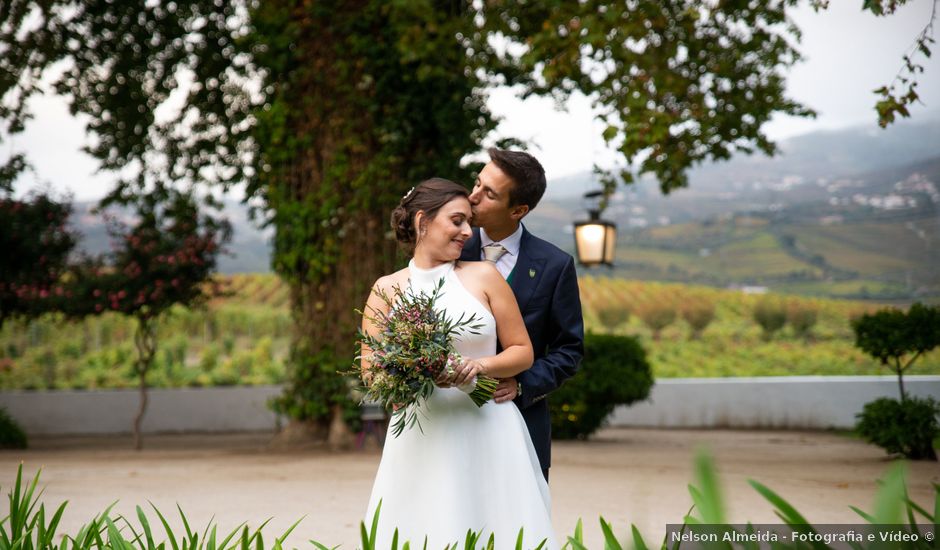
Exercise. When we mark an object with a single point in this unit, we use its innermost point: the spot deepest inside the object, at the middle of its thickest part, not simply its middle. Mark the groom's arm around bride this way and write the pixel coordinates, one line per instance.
(542, 277)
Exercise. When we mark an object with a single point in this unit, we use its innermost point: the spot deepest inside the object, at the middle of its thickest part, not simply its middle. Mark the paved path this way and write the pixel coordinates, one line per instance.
(626, 475)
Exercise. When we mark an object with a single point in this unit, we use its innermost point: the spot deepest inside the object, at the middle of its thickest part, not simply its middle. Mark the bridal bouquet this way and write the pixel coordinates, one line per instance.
(414, 348)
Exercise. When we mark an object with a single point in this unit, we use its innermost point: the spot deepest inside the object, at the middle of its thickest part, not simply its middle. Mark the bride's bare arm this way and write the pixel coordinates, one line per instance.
(517, 354)
(374, 305)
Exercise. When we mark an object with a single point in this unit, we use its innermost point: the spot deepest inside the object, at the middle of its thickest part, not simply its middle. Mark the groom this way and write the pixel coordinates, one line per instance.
(541, 276)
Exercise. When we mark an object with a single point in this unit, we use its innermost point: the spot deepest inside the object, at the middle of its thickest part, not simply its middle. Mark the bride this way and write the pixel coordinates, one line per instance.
(466, 468)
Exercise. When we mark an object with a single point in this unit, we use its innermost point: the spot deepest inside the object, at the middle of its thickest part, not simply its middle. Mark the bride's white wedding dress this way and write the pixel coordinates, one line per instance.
(471, 468)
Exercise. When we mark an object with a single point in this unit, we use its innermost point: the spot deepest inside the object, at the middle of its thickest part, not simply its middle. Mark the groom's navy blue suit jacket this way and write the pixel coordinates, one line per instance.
(546, 287)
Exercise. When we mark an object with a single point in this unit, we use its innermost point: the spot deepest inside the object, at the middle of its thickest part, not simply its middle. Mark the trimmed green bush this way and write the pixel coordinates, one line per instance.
(907, 427)
(698, 314)
(11, 435)
(802, 319)
(771, 315)
(657, 317)
(613, 316)
(614, 372)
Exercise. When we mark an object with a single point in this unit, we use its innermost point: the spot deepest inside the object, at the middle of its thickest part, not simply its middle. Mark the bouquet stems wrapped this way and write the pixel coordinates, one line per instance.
(414, 348)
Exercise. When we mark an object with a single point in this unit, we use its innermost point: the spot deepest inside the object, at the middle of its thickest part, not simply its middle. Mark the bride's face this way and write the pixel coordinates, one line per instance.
(443, 236)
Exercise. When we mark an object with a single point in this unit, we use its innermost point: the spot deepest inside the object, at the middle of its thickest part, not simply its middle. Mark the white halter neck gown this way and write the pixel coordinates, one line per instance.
(471, 468)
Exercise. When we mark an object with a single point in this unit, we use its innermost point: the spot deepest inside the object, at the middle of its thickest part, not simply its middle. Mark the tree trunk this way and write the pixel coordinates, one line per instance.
(900, 374)
(325, 325)
(139, 419)
(331, 223)
(358, 117)
(145, 341)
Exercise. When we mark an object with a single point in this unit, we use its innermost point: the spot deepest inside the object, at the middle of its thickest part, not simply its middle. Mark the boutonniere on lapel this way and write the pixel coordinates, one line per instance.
(531, 273)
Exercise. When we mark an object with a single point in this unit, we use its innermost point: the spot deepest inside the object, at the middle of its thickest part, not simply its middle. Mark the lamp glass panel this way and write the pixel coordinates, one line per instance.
(610, 244)
(590, 241)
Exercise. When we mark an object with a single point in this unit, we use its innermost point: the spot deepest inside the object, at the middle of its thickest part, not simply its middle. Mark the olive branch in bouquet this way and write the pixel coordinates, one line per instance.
(413, 348)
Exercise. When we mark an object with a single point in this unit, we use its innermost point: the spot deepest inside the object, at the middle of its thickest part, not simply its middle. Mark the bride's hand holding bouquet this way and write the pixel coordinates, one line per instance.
(413, 352)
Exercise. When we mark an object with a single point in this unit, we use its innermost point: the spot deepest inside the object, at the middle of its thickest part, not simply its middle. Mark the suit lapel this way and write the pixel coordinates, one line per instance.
(527, 273)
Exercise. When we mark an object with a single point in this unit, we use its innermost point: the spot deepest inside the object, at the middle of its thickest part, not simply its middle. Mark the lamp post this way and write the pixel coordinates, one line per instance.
(595, 239)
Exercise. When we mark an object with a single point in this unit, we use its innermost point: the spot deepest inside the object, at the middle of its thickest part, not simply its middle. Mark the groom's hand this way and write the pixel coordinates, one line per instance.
(507, 390)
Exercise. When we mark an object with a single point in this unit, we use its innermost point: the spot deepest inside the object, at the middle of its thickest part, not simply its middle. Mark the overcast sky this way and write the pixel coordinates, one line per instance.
(847, 55)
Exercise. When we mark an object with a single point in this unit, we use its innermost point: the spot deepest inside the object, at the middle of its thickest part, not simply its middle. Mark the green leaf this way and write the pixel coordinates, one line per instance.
(936, 504)
(224, 544)
(610, 133)
(146, 527)
(166, 527)
(364, 536)
(889, 502)
(610, 541)
(865, 515)
(786, 511)
(638, 542)
(280, 540)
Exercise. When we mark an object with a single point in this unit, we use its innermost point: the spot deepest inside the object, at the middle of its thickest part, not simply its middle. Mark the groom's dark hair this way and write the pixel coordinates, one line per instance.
(526, 173)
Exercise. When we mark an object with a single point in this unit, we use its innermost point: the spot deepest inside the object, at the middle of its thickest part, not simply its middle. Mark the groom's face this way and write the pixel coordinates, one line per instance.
(489, 199)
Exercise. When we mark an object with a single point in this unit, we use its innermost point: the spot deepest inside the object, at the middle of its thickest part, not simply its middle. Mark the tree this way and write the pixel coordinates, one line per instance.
(897, 338)
(895, 97)
(164, 259)
(328, 112)
(36, 245)
(910, 425)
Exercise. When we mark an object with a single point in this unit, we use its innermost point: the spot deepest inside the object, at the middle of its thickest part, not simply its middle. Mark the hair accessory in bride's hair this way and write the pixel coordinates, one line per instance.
(408, 194)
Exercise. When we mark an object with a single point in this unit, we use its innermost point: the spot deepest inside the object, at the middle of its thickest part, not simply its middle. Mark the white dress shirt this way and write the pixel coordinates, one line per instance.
(507, 261)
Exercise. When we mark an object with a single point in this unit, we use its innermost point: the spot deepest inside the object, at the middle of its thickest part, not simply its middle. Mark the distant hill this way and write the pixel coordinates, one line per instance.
(853, 213)
(249, 251)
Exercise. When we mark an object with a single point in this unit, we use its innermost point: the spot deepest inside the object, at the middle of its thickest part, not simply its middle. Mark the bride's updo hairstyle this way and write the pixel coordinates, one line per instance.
(428, 196)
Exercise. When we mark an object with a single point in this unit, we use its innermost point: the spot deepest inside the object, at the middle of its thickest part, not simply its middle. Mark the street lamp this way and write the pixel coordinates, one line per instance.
(595, 239)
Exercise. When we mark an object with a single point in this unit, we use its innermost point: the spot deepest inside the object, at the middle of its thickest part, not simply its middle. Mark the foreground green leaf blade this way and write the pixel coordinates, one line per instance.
(787, 512)
(145, 525)
(166, 527)
(610, 541)
(638, 542)
(711, 504)
(889, 502)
